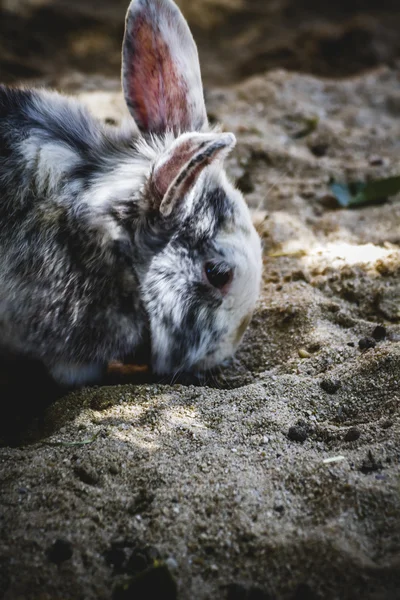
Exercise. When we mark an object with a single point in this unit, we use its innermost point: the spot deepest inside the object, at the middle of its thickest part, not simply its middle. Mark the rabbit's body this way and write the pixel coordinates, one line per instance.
(68, 292)
(109, 237)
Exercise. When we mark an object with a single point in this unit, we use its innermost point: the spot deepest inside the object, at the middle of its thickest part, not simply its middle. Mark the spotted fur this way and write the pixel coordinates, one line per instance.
(104, 233)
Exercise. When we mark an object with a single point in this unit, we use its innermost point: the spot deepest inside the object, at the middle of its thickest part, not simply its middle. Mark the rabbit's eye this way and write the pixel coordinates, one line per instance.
(218, 275)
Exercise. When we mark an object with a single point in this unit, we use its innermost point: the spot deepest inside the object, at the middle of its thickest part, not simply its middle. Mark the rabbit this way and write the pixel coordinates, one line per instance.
(115, 237)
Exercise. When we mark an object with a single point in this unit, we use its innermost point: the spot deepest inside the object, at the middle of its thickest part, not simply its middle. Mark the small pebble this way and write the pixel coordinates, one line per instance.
(298, 433)
(328, 201)
(366, 343)
(319, 149)
(376, 161)
(314, 347)
(330, 386)
(352, 434)
(60, 551)
(379, 333)
(214, 568)
(171, 563)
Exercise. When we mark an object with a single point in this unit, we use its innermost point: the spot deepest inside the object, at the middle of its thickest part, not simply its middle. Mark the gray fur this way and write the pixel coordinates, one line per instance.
(90, 267)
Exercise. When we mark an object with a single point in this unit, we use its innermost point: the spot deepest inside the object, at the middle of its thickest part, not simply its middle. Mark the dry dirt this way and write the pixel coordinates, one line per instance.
(277, 478)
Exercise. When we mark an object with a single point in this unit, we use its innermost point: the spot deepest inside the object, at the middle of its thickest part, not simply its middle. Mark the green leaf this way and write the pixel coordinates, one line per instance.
(363, 193)
(69, 444)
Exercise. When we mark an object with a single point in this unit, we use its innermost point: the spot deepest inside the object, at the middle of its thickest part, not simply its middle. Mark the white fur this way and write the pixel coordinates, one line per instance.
(49, 161)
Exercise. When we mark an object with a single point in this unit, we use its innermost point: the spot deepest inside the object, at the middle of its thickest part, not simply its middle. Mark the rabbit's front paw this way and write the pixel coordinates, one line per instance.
(76, 375)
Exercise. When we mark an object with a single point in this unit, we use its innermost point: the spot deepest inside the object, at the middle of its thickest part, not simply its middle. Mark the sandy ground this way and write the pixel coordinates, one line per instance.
(277, 478)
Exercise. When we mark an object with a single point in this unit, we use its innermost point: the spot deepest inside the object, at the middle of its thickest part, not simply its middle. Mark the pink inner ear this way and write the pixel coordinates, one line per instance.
(157, 94)
(166, 173)
(175, 173)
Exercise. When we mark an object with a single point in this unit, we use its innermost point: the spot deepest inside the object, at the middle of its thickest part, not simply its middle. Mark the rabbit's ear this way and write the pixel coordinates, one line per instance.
(177, 171)
(161, 72)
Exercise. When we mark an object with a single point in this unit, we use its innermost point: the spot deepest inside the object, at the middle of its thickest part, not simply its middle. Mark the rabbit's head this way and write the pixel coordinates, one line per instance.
(203, 255)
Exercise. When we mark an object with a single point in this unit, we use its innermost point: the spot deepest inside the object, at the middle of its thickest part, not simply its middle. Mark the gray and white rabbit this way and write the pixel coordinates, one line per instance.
(109, 237)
